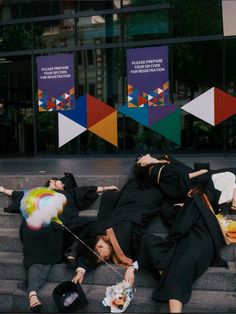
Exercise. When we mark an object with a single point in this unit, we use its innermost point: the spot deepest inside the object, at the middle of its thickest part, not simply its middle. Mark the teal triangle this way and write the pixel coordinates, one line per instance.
(139, 114)
(169, 127)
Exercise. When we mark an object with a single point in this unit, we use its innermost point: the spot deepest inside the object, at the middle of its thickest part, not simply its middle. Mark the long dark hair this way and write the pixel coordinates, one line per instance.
(142, 175)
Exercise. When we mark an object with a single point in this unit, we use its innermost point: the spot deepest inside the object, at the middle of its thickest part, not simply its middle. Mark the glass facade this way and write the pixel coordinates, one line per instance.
(98, 34)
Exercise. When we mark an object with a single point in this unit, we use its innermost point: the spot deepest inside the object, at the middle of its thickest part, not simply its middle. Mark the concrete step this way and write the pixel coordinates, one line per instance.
(214, 278)
(14, 300)
(21, 182)
(10, 242)
(9, 220)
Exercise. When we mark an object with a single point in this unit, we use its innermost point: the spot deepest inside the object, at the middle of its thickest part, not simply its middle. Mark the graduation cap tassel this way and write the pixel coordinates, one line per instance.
(99, 257)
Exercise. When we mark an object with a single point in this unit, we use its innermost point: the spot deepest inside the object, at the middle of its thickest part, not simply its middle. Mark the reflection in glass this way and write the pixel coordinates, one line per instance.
(15, 37)
(195, 18)
(98, 29)
(53, 34)
(16, 109)
(146, 25)
(197, 67)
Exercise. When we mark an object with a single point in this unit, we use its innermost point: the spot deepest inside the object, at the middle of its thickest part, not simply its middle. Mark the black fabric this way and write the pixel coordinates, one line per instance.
(43, 246)
(201, 165)
(46, 246)
(64, 291)
(131, 211)
(174, 180)
(192, 245)
(69, 181)
(14, 207)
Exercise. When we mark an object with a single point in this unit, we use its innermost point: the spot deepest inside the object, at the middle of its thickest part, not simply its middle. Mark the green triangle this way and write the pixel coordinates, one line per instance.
(169, 127)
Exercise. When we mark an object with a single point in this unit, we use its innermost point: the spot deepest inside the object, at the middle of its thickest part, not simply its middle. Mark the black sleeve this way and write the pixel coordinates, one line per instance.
(84, 196)
(172, 179)
(14, 207)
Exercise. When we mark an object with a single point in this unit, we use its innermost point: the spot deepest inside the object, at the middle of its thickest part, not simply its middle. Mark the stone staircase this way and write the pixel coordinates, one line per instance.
(214, 291)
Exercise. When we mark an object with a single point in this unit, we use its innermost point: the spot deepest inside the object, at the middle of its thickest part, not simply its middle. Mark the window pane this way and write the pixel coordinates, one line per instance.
(98, 29)
(136, 3)
(196, 18)
(146, 25)
(16, 109)
(230, 88)
(15, 37)
(52, 34)
(97, 5)
(15, 10)
(205, 62)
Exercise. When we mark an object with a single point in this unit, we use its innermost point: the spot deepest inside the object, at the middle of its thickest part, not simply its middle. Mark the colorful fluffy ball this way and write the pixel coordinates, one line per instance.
(40, 206)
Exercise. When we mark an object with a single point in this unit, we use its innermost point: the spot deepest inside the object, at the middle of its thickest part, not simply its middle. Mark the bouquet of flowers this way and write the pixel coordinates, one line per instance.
(118, 297)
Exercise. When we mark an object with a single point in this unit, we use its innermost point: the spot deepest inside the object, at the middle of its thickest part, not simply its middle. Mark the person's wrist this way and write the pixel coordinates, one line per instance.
(80, 270)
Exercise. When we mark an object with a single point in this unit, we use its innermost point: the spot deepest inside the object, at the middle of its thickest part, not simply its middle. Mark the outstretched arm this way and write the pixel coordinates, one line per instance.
(197, 173)
(5, 191)
(101, 189)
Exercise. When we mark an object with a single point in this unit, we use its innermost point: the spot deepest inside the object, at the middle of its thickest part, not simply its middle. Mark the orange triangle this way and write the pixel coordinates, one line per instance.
(40, 93)
(96, 110)
(130, 89)
(107, 128)
(225, 106)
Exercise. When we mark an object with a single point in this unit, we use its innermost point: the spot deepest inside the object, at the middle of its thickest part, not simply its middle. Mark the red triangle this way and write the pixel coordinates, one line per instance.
(96, 110)
(50, 105)
(142, 101)
(225, 106)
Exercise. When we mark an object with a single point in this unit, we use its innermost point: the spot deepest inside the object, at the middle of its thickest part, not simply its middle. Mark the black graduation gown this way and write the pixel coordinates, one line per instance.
(192, 245)
(46, 245)
(43, 246)
(172, 179)
(128, 212)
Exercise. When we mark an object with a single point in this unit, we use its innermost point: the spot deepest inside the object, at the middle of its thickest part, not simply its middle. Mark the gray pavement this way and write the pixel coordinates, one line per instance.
(93, 166)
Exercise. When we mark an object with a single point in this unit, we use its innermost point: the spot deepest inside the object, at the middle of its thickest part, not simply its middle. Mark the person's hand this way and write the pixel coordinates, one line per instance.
(78, 278)
(129, 275)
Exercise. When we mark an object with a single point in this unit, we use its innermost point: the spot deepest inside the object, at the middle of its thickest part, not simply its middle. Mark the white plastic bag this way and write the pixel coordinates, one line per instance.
(118, 297)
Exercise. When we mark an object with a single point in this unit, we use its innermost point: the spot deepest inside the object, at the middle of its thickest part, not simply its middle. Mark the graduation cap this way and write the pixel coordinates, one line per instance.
(69, 297)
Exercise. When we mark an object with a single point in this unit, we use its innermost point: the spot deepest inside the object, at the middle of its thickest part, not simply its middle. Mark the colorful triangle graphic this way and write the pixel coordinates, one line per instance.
(79, 114)
(107, 128)
(139, 114)
(225, 106)
(96, 110)
(156, 114)
(68, 129)
(169, 127)
(202, 107)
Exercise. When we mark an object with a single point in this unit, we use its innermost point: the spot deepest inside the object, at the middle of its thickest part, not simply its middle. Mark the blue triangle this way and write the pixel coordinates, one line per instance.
(139, 114)
(79, 114)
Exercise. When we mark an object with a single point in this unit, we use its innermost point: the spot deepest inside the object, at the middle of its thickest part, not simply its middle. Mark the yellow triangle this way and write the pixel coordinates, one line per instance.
(107, 128)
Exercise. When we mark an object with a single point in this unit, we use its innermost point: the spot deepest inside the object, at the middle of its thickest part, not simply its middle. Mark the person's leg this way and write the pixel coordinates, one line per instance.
(37, 277)
(175, 306)
(34, 302)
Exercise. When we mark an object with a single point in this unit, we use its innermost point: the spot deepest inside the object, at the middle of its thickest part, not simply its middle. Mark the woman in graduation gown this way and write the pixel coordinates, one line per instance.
(123, 218)
(192, 245)
(195, 237)
(44, 247)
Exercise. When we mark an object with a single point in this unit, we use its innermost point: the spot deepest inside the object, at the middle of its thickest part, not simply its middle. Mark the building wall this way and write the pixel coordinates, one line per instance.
(98, 33)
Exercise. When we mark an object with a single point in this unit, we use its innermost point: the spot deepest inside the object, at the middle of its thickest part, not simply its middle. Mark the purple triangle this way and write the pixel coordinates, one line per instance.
(159, 112)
